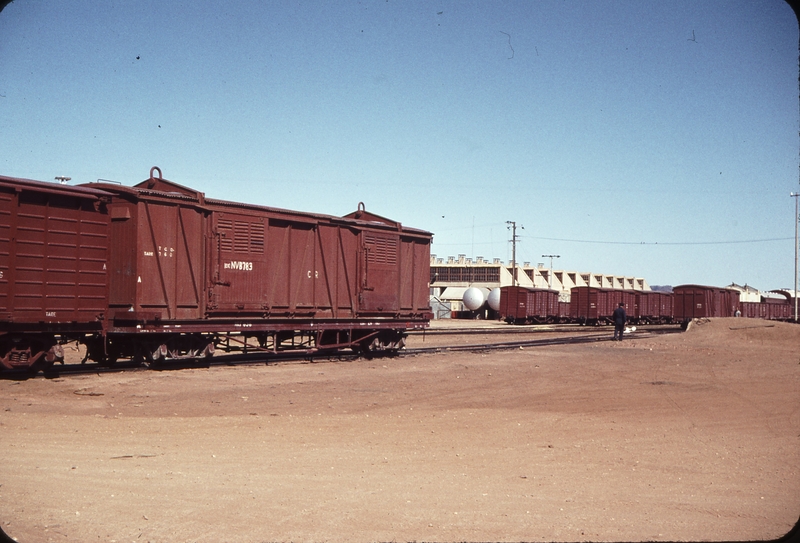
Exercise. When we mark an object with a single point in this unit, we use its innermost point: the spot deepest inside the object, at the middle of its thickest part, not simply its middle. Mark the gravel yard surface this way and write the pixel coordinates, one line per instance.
(690, 436)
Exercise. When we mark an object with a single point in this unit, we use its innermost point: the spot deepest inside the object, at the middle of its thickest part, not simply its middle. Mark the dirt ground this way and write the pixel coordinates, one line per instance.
(691, 436)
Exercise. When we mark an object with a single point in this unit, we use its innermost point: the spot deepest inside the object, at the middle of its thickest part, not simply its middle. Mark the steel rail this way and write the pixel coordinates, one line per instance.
(306, 357)
(532, 329)
(508, 345)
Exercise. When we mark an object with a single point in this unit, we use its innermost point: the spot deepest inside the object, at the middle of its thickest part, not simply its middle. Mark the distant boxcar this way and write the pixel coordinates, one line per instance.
(698, 301)
(788, 295)
(753, 310)
(528, 305)
(652, 307)
(778, 309)
(771, 308)
(593, 305)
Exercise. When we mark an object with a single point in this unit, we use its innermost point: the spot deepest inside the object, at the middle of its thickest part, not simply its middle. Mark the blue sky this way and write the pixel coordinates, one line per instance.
(654, 139)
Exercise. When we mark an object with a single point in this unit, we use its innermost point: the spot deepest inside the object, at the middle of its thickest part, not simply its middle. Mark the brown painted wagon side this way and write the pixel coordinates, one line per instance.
(522, 305)
(593, 305)
(699, 301)
(191, 275)
(53, 273)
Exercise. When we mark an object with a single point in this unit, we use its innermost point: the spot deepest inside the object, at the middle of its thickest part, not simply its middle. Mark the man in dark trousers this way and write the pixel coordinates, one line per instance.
(619, 321)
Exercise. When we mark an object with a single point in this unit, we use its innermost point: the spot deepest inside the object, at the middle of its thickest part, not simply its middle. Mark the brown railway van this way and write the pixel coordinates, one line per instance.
(198, 273)
(53, 268)
(698, 301)
(159, 271)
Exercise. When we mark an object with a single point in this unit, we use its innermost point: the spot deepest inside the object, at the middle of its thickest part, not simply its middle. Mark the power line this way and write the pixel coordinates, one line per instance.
(599, 242)
(602, 242)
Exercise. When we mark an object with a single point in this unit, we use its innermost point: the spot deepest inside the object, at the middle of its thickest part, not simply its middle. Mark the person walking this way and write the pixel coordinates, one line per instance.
(619, 317)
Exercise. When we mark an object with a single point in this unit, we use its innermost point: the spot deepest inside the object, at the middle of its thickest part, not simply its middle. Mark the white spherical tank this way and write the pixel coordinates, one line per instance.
(494, 299)
(473, 298)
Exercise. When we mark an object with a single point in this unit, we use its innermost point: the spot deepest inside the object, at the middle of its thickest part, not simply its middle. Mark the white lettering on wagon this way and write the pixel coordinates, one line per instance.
(238, 265)
(165, 252)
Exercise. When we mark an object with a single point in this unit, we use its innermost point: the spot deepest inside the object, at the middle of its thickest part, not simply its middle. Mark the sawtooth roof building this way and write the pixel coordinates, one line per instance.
(451, 277)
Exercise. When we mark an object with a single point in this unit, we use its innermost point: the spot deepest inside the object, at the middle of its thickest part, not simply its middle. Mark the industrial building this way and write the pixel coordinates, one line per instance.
(752, 294)
(450, 278)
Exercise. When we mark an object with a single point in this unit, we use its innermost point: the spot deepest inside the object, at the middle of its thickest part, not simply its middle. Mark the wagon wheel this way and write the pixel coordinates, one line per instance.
(368, 347)
(154, 355)
(41, 365)
(207, 351)
(45, 359)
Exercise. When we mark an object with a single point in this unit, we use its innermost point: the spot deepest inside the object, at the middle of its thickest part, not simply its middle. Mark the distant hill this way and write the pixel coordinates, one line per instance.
(661, 288)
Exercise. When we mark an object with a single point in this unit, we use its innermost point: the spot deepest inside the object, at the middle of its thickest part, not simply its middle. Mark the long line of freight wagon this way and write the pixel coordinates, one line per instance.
(592, 305)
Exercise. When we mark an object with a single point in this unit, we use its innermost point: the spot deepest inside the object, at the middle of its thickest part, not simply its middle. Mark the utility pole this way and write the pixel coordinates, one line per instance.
(796, 219)
(514, 251)
(550, 275)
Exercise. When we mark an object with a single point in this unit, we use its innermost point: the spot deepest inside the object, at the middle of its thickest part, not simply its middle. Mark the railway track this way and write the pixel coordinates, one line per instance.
(533, 329)
(516, 329)
(237, 359)
(579, 335)
(590, 337)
